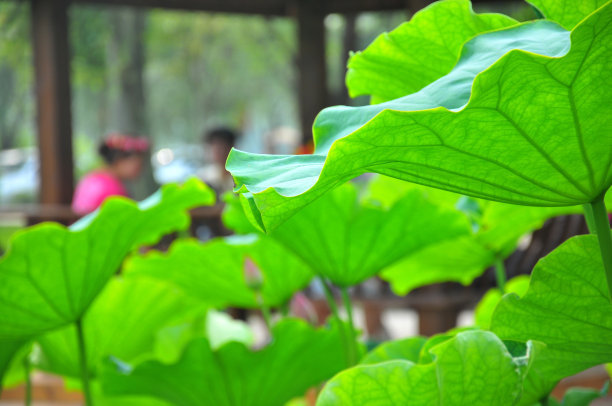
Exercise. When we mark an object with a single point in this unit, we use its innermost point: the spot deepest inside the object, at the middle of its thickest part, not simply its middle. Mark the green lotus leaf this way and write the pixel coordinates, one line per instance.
(8, 356)
(472, 368)
(568, 13)
(214, 272)
(298, 358)
(464, 257)
(408, 349)
(218, 327)
(348, 240)
(234, 216)
(584, 396)
(486, 306)
(123, 322)
(419, 51)
(459, 260)
(523, 118)
(566, 307)
(51, 274)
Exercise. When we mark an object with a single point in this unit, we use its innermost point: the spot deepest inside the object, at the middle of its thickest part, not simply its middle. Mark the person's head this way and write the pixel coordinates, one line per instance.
(124, 154)
(220, 141)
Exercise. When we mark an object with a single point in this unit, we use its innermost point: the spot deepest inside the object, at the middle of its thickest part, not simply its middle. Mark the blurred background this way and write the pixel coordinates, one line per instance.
(170, 75)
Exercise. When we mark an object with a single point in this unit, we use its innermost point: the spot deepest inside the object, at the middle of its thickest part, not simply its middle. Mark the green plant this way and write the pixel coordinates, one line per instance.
(522, 118)
(51, 274)
(233, 374)
(502, 111)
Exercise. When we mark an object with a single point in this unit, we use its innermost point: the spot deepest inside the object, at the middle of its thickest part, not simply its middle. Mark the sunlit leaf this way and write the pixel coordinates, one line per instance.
(486, 306)
(407, 349)
(583, 396)
(461, 258)
(8, 353)
(522, 119)
(567, 307)
(214, 272)
(51, 274)
(123, 322)
(568, 13)
(348, 240)
(472, 368)
(419, 51)
(299, 357)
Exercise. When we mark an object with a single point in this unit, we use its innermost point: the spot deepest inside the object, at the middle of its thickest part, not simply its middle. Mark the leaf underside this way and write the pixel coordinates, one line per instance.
(528, 126)
(51, 274)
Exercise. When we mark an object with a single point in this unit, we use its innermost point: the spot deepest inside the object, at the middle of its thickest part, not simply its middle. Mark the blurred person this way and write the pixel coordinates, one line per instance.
(218, 143)
(123, 157)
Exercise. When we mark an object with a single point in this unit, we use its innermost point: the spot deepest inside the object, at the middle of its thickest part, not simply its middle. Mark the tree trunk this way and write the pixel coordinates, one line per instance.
(126, 57)
(10, 113)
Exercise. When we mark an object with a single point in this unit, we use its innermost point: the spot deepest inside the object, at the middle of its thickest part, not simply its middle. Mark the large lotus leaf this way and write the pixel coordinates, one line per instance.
(234, 216)
(348, 241)
(214, 272)
(298, 358)
(8, 351)
(386, 191)
(567, 307)
(51, 274)
(408, 349)
(465, 257)
(419, 51)
(522, 119)
(459, 260)
(583, 396)
(485, 308)
(123, 322)
(568, 13)
(472, 368)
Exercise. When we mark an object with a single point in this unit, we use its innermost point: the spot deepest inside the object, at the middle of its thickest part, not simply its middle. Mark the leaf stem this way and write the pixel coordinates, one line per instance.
(286, 308)
(331, 301)
(588, 216)
(346, 299)
(28, 381)
(83, 363)
(265, 312)
(500, 275)
(601, 227)
(333, 307)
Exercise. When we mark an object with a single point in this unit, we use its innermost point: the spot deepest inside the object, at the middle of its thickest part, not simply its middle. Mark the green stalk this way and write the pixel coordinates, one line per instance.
(83, 363)
(588, 216)
(285, 309)
(265, 311)
(346, 299)
(28, 381)
(329, 295)
(601, 227)
(500, 275)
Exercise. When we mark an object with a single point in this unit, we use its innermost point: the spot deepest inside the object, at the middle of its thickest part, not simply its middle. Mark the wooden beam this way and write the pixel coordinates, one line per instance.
(52, 68)
(261, 7)
(312, 81)
(356, 6)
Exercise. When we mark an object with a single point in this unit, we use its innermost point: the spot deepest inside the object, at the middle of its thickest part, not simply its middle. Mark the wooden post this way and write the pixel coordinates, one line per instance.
(312, 82)
(49, 20)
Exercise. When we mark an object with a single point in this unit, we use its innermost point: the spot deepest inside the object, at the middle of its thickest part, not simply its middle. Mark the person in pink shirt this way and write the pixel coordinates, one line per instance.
(123, 155)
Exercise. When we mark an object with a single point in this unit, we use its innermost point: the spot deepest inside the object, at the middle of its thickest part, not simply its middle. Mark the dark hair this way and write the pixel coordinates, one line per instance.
(119, 146)
(222, 134)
